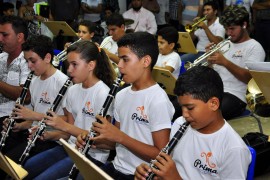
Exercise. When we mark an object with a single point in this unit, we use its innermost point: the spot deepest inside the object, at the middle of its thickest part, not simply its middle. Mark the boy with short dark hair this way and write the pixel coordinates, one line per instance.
(142, 111)
(168, 44)
(210, 148)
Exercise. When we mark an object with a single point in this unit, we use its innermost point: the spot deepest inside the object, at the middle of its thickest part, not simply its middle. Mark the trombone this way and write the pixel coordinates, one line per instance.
(62, 56)
(192, 27)
(202, 60)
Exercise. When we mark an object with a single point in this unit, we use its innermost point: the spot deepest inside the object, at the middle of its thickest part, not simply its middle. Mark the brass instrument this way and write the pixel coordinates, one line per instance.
(193, 27)
(103, 44)
(202, 60)
(110, 44)
(62, 56)
(256, 101)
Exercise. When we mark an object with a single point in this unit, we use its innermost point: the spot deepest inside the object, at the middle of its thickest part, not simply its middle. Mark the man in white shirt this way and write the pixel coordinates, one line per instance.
(210, 31)
(144, 20)
(231, 66)
(13, 66)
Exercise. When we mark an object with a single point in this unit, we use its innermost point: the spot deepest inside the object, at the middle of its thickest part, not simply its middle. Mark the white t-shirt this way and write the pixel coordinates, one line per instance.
(44, 92)
(220, 155)
(173, 59)
(239, 54)
(140, 113)
(15, 74)
(217, 30)
(144, 20)
(84, 105)
(94, 17)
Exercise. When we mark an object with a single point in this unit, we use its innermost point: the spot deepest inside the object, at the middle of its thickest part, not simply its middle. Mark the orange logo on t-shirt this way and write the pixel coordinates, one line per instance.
(207, 159)
(141, 109)
(88, 106)
(45, 96)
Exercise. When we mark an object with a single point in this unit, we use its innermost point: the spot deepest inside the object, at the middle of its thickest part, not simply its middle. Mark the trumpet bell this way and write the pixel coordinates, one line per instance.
(256, 101)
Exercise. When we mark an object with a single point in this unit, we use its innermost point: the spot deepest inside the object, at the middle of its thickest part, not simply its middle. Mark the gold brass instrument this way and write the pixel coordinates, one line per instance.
(256, 101)
(103, 44)
(193, 27)
(202, 60)
(62, 56)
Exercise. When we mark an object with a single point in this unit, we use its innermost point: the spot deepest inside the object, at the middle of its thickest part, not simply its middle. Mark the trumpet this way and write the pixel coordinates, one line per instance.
(103, 44)
(62, 56)
(202, 60)
(192, 27)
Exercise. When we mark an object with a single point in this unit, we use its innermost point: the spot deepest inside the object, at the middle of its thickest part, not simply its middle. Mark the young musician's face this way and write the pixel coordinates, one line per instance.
(9, 12)
(236, 32)
(198, 113)
(209, 11)
(130, 66)
(84, 33)
(36, 63)
(164, 47)
(116, 32)
(78, 68)
(8, 38)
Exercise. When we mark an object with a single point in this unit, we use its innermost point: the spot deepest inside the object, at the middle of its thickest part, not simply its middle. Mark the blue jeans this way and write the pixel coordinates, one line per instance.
(51, 164)
(191, 57)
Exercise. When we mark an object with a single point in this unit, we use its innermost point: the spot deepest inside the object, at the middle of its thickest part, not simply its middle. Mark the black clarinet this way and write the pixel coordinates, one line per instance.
(20, 101)
(42, 125)
(1, 48)
(169, 147)
(74, 170)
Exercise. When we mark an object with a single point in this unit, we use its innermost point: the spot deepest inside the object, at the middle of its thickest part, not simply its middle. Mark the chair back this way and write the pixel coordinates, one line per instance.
(251, 168)
(182, 68)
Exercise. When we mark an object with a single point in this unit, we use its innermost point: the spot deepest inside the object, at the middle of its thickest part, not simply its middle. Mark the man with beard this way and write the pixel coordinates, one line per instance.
(231, 65)
(144, 20)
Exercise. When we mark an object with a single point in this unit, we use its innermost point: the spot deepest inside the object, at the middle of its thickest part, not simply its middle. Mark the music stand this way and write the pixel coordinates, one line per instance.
(164, 78)
(260, 71)
(262, 79)
(60, 27)
(87, 168)
(11, 168)
(186, 43)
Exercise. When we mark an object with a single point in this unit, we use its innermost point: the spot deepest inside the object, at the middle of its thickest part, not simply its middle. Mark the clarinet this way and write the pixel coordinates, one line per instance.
(41, 124)
(20, 101)
(1, 48)
(74, 171)
(169, 147)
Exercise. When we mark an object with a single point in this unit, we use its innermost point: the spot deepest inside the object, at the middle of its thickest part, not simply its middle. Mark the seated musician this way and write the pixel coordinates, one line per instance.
(91, 71)
(86, 31)
(231, 65)
(142, 111)
(209, 30)
(209, 148)
(44, 88)
(116, 29)
(167, 44)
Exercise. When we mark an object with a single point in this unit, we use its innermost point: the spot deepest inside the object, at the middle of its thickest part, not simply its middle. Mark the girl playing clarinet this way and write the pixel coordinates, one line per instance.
(92, 74)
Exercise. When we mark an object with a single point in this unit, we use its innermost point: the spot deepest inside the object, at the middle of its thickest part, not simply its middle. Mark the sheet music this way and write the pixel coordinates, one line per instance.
(258, 66)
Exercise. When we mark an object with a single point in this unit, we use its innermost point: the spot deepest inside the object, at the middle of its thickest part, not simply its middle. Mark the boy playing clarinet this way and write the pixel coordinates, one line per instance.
(210, 148)
(143, 111)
